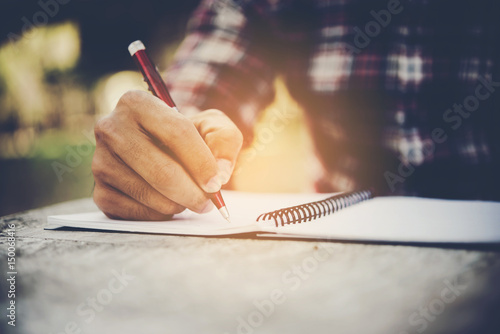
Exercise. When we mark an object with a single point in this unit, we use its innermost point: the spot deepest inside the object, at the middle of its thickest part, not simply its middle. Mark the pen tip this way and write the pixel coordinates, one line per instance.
(225, 213)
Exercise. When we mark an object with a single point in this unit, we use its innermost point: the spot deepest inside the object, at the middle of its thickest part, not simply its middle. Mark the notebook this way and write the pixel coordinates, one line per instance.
(349, 216)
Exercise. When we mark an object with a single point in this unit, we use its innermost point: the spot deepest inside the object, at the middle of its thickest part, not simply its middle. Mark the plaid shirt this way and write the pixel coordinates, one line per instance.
(399, 95)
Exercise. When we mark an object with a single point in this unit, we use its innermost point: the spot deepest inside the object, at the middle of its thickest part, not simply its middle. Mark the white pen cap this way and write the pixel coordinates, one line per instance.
(135, 46)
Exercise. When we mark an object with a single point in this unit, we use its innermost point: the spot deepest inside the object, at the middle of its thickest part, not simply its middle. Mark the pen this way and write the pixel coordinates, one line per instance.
(157, 86)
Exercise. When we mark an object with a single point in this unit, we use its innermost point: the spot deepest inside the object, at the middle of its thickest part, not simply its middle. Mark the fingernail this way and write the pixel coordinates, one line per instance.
(213, 185)
(225, 168)
(208, 207)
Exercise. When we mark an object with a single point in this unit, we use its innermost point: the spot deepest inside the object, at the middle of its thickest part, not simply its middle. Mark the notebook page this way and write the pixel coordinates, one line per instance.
(407, 219)
(244, 208)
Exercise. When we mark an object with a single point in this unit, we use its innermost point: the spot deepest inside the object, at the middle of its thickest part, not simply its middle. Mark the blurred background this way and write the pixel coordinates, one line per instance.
(64, 64)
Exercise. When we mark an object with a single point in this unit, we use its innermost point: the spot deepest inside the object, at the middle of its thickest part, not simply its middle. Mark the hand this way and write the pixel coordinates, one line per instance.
(152, 162)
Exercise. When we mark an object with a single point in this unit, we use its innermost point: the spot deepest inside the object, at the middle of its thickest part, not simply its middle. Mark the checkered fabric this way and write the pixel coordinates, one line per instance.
(400, 95)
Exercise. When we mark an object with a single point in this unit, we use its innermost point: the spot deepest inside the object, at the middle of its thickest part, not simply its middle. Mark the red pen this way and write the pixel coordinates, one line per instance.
(159, 89)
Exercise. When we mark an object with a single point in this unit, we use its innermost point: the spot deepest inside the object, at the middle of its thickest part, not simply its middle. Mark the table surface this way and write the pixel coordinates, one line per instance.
(98, 282)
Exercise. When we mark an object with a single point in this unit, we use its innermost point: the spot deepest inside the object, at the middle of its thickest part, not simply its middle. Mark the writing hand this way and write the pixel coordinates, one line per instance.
(152, 162)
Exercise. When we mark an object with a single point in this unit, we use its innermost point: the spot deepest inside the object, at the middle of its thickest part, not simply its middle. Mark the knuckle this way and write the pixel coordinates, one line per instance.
(129, 104)
(101, 166)
(130, 98)
(214, 113)
(104, 129)
(230, 139)
(98, 168)
(239, 137)
(232, 134)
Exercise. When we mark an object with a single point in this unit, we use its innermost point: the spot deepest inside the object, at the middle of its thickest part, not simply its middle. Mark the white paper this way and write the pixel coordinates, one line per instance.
(407, 219)
(384, 219)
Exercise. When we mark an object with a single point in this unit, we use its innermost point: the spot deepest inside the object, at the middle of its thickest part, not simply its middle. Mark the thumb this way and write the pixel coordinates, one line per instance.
(223, 138)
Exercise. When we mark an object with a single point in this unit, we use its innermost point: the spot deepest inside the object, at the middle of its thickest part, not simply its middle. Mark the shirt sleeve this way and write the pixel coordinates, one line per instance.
(221, 64)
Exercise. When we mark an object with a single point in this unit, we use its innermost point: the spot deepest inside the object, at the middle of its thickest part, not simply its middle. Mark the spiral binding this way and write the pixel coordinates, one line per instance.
(313, 210)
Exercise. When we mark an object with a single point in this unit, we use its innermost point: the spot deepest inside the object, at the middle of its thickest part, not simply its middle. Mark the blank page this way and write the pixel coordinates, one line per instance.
(392, 219)
(407, 219)
(243, 207)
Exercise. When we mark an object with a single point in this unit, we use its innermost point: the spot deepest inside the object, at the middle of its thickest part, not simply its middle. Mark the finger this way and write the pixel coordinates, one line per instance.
(116, 205)
(109, 170)
(157, 168)
(179, 134)
(222, 137)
